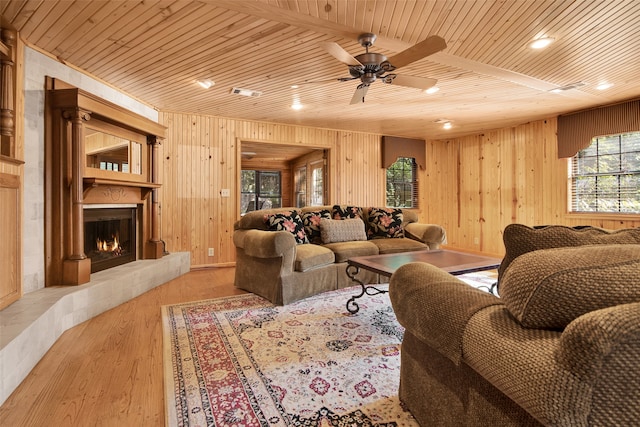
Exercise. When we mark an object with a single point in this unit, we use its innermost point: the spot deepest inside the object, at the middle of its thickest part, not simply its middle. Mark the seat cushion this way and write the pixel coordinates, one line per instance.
(403, 244)
(549, 288)
(345, 250)
(312, 256)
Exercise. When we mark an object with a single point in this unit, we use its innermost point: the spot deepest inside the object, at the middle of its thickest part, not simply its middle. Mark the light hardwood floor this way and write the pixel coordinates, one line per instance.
(107, 371)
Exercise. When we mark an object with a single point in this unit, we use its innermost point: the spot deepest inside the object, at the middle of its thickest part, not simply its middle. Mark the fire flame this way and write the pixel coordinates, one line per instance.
(106, 246)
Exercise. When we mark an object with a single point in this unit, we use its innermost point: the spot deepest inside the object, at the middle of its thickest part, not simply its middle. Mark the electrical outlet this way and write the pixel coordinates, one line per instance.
(210, 251)
(225, 192)
(476, 241)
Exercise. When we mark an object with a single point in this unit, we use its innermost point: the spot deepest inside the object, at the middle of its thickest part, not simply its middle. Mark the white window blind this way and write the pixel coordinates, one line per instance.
(605, 176)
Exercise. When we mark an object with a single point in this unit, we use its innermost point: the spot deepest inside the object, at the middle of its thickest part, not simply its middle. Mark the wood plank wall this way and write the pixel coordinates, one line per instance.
(200, 157)
(479, 184)
(473, 186)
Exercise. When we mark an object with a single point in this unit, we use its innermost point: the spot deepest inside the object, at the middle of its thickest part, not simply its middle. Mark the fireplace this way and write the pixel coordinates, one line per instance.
(101, 214)
(110, 236)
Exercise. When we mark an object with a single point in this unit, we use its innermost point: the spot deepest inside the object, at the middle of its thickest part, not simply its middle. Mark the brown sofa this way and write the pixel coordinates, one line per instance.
(282, 267)
(559, 347)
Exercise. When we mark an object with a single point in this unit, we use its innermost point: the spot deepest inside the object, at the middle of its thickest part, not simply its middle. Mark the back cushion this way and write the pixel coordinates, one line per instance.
(287, 221)
(547, 289)
(342, 230)
(311, 221)
(520, 239)
(345, 211)
(384, 223)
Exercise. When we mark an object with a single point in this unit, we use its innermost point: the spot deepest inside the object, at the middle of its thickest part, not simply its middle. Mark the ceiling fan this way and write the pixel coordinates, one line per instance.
(370, 66)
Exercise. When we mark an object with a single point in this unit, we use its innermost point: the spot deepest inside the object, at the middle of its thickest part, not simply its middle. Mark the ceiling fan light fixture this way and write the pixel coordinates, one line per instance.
(205, 83)
(541, 43)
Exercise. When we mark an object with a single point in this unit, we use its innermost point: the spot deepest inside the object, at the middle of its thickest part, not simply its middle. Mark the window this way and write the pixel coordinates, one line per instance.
(317, 189)
(605, 177)
(402, 183)
(309, 180)
(301, 187)
(259, 190)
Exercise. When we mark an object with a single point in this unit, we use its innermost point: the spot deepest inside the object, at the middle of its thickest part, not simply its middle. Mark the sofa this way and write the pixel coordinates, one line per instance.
(287, 254)
(560, 346)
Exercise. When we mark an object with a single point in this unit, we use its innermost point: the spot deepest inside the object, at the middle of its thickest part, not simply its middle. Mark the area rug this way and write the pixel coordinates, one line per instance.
(241, 361)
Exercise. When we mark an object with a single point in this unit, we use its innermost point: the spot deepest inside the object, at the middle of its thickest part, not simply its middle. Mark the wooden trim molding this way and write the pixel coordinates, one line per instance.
(10, 262)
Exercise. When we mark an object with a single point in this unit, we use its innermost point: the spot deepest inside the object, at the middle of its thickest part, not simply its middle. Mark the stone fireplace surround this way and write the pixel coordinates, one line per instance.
(31, 325)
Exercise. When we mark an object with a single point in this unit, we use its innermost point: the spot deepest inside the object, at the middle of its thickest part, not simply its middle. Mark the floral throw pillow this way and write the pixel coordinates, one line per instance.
(287, 221)
(345, 212)
(311, 221)
(385, 223)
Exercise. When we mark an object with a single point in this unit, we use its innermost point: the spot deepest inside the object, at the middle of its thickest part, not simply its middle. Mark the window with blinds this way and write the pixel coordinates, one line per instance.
(402, 183)
(605, 177)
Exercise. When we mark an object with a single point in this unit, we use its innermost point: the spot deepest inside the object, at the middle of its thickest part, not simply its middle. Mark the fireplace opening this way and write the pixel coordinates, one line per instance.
(109, 236)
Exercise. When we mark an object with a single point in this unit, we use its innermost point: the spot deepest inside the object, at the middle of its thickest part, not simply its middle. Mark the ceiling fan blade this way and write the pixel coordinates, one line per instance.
(426, 47)
(358, 95)
(339, 53)
(423, 83)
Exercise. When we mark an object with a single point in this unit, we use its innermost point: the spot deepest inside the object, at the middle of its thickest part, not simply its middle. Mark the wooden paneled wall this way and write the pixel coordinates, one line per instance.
(201, 157)
(477, 185)
(473, 186)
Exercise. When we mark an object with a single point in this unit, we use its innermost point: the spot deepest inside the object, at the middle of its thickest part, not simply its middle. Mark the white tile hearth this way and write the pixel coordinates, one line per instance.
(30, 326)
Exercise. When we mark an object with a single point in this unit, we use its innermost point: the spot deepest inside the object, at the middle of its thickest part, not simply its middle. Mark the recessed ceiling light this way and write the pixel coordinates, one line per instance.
(206, 83)
(568, 87)
(296, 106)
(541, 43)
(447, 125)
(294, 86)
(604, 86)
(432, 89)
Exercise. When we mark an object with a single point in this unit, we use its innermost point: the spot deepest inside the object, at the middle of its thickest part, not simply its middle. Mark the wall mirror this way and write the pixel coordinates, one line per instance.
(112, 151)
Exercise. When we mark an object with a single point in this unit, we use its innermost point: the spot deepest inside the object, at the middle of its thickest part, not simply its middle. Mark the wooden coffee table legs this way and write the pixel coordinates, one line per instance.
(352, 305)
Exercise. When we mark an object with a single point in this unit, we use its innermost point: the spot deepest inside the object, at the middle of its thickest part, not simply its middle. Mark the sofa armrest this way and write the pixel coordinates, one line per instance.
(430, 234)
(265, 244)
(600, 341)
(435, 306)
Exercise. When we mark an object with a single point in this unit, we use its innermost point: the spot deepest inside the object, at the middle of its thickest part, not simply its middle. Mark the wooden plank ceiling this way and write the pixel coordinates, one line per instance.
(488, 77)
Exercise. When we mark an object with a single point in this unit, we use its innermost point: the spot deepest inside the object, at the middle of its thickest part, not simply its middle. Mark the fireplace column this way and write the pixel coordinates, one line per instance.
(77, 266)
(154, 248)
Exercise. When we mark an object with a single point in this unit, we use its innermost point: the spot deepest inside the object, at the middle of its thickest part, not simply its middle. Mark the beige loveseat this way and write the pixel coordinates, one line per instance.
(559, 347)
(274, 260)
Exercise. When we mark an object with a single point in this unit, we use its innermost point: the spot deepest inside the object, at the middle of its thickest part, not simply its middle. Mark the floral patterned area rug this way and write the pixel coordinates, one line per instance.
(241, 361)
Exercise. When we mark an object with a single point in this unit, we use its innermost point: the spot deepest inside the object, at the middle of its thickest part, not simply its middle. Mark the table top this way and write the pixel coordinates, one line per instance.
(452, 262)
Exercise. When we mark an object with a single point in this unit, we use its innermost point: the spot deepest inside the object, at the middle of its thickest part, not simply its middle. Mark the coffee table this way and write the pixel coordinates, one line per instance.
(453, 262)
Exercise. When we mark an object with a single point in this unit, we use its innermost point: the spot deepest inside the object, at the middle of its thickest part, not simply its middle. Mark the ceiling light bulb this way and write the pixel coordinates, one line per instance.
(603, 86)
(432, 89)
(206, 84)
(541, 43)
(447, 125)
(294, 86)
(296, 106)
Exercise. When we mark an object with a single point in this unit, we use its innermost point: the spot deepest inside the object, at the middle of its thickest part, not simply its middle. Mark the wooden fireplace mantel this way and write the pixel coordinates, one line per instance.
(73, 182)
(90, 183)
